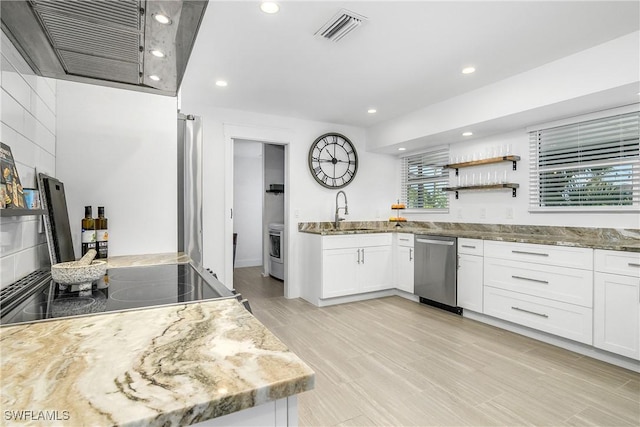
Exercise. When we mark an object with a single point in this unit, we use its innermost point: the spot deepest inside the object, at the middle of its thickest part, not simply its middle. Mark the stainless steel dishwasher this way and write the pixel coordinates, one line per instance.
(435, 271)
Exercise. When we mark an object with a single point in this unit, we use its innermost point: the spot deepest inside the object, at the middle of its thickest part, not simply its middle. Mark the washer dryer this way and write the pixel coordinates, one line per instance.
(276, 250)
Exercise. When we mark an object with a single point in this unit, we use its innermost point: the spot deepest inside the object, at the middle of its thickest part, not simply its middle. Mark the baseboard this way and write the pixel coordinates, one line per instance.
(576, 347)
(240, 263)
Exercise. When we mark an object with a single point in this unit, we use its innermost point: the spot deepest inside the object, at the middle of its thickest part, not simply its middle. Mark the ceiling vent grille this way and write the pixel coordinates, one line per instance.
(340, 25)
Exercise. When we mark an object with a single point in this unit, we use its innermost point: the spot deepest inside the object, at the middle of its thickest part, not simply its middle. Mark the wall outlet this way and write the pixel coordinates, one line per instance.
(509, 214)
(459, 213)
(296, 213)
(483, 213)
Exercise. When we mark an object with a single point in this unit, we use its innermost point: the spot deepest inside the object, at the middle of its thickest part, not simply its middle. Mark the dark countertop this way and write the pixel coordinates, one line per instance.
(596, 238)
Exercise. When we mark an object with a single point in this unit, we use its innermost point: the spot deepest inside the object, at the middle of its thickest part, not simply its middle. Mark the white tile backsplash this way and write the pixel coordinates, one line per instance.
(28, 126)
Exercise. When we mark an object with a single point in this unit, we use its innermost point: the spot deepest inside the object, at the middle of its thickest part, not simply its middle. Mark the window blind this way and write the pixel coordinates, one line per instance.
(592, 165)
(424, 180)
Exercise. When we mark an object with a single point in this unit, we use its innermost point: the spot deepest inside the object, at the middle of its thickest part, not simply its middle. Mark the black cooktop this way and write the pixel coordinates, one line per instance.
(120, 289)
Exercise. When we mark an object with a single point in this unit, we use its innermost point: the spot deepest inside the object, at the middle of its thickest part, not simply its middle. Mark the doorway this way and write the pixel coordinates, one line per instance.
(259, 211)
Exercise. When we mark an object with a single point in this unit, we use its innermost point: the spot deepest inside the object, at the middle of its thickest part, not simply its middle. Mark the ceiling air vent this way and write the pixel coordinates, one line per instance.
(340, 25)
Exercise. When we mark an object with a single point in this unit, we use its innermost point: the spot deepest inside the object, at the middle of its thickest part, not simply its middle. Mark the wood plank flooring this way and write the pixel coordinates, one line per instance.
(393, 362)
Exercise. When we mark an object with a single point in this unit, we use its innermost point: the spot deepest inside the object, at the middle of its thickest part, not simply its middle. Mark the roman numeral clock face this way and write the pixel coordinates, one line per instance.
(333, 160)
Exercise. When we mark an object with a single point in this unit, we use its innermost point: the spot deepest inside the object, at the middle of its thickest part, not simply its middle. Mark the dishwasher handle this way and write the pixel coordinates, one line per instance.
(435, 242)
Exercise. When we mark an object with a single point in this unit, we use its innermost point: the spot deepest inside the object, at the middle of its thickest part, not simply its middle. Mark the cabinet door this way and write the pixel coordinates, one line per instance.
(375, 272)
(339, 272)
(616, 314)
(470, 282)
(404, 268)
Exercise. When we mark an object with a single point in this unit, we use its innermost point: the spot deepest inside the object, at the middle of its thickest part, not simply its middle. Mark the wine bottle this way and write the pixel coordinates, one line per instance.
(88, 231)
(102, 234)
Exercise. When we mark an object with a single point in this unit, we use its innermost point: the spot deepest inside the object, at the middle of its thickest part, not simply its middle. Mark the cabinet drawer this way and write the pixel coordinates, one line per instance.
(569, 285)
(617, 262)
(404, 239)
(374, 239)
(564, 256)
(340, 241)
(470, 246)
(565, 320)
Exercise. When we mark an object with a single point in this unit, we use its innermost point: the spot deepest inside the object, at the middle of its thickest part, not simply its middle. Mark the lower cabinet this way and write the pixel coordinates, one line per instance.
(616, 302)
(404, 255)
(470, 274)
(364, 265)
(470, 282)
(616, 314)
(543, 287)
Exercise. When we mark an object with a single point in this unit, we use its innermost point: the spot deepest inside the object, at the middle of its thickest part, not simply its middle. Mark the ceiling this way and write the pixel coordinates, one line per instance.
(406, 56)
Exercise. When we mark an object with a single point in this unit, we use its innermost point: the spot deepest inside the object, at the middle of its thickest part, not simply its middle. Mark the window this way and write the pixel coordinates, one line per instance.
(589, 166)
(424, 180)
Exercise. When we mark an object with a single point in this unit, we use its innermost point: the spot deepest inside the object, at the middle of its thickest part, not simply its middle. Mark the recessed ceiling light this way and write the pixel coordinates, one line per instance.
(157, 53)
(269, 7)
(221, 83)
(401, 149)
(154, 78)
(467, 133)
(372, 111)
(163, 19)
(468, 70)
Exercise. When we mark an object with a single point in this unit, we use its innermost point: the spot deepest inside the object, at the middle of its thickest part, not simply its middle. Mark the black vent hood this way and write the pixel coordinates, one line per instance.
(106, 42)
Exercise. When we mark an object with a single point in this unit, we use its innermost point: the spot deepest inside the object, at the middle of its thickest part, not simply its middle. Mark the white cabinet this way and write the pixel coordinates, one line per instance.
(353, 264)
(549, 288)
(470, 277)
(339, 272)
(404, 262)
(616, 311)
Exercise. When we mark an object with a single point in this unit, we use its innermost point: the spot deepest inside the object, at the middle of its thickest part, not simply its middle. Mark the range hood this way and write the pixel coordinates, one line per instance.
(106, 42)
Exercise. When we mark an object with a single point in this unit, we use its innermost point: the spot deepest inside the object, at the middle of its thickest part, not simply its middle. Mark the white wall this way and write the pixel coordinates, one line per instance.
(531, 95)
(247, 206)
(370, 194)
(498, 206)
(28, 116)
(118, 149)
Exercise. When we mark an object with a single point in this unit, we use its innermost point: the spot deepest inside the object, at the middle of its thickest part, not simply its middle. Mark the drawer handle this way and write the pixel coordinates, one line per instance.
(363, 255)
(404, 240)
(358, 256)
(468, 246)
(529, 253)
(530, 312)
(410, 254)
(633, 264)
(530, 280)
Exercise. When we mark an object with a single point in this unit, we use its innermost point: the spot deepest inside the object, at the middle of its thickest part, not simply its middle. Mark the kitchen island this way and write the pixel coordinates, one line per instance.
(180, 364)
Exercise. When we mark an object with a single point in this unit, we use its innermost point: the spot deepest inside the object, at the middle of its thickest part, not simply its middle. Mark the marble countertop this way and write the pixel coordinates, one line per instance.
(159, 366)
(597, 238)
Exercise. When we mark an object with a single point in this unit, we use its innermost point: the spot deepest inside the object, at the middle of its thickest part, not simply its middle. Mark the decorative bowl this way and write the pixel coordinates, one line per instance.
(72, 273)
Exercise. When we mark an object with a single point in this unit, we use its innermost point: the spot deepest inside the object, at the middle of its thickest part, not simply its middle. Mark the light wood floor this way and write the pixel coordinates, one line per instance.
(391, 361)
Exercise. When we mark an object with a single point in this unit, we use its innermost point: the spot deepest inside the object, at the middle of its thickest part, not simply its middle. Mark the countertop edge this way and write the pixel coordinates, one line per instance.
(622, 246)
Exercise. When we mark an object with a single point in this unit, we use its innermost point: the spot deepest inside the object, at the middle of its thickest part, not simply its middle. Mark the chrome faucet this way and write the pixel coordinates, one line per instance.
(346, 207)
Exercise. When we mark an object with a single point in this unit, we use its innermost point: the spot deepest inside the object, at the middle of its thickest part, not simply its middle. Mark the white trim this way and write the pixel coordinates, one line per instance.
(270, 135)
(585, 117)
(576, 347)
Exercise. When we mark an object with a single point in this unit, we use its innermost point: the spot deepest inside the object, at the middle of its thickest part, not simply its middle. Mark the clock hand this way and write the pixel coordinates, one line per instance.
(327, 150)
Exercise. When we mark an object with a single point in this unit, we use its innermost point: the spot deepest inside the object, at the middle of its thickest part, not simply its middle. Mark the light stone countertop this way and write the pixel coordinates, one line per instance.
(596, 238)
(158, 366)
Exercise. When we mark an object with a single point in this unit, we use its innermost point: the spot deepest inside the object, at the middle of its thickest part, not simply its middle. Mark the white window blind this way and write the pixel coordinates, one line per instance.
(589, 166)
(423, 180)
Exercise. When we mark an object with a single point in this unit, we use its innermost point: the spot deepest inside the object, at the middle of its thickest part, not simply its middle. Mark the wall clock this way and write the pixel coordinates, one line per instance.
(333, 160)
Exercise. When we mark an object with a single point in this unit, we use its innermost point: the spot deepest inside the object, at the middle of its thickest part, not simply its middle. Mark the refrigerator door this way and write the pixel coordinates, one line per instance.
(190, 186)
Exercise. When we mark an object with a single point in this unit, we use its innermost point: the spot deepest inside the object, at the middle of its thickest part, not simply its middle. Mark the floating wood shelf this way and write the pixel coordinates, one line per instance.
(456, 166)
(20, 212)
(512, 186)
